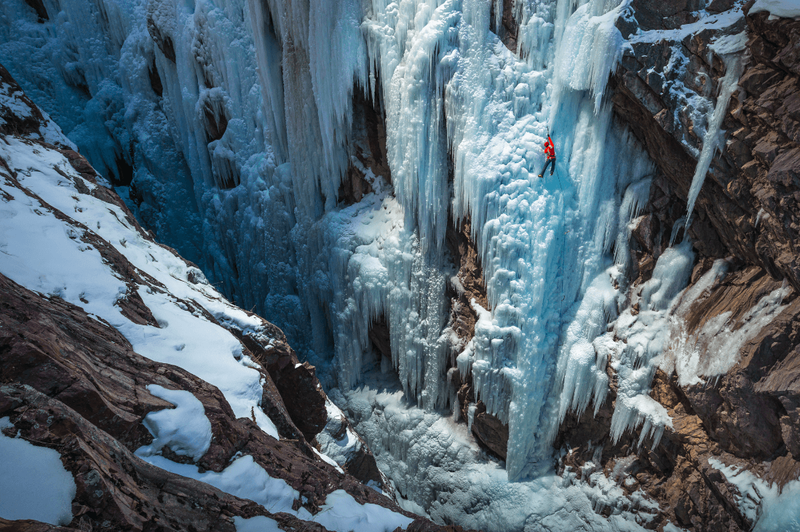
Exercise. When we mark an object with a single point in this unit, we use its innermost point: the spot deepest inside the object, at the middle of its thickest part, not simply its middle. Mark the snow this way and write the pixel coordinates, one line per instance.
(256, 524)
(243, 478)
(342, 512)
(246, 479)
(729, 44)
(53, 257)
(328, 460)
(33, 481)
(777, 8)
(187, 431)
(184, 429)
(718, 21)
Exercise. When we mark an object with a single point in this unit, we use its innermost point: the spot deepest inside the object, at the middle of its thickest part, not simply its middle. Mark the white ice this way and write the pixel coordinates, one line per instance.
(730, 50)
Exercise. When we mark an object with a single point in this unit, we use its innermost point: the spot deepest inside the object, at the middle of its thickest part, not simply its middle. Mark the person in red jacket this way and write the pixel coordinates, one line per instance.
(550, 152)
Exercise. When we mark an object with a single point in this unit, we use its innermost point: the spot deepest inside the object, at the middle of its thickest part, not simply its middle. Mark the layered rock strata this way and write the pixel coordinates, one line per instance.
(746, 213)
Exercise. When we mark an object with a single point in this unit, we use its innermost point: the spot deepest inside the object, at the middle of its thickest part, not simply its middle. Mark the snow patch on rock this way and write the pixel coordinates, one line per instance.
(33, 481)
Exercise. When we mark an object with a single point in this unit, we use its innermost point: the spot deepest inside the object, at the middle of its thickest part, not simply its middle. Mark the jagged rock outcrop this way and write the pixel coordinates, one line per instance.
(747, 213)
(368, 159)
(115, 488)
(746, 207)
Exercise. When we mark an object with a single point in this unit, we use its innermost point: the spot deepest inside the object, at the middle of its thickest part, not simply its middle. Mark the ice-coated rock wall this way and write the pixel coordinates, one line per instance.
(233, 126)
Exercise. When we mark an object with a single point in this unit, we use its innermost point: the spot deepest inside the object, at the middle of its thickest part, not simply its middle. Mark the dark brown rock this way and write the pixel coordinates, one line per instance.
(380, 337)
(369, 148)
(669, 14)
(490, 431)
(303, 396)
(472, 286)
(422, 525)
(361, 462)
(86, 364)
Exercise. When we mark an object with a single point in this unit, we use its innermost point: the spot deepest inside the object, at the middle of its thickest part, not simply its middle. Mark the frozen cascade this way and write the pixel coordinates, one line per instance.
(529, 231)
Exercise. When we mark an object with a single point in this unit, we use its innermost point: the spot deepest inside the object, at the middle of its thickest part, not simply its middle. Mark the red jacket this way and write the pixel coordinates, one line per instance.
(549, 149)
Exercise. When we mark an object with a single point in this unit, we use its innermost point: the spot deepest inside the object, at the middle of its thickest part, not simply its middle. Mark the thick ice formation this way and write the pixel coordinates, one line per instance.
(438, 470)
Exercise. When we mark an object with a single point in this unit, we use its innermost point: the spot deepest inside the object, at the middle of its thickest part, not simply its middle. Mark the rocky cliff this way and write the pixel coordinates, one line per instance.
(742, 418)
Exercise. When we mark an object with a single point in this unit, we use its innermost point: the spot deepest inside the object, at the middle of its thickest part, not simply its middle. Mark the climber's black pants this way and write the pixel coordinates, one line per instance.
(552, 169)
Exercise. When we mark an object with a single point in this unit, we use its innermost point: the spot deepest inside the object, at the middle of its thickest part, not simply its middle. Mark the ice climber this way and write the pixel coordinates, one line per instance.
(550, 152)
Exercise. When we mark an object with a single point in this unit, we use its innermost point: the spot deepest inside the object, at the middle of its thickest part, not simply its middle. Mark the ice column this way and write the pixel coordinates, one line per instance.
(729, 48)
(545, 244)
(412, 52)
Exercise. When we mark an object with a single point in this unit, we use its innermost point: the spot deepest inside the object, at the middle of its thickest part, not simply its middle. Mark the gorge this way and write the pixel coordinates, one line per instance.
(421, 333)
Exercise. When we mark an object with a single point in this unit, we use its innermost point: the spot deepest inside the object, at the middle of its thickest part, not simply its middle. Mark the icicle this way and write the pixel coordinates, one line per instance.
(734, 67)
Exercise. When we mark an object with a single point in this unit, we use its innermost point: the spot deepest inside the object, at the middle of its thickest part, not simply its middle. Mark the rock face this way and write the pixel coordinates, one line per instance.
(746, 207)
(488, 430)
(746, 212)
(72, 382)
